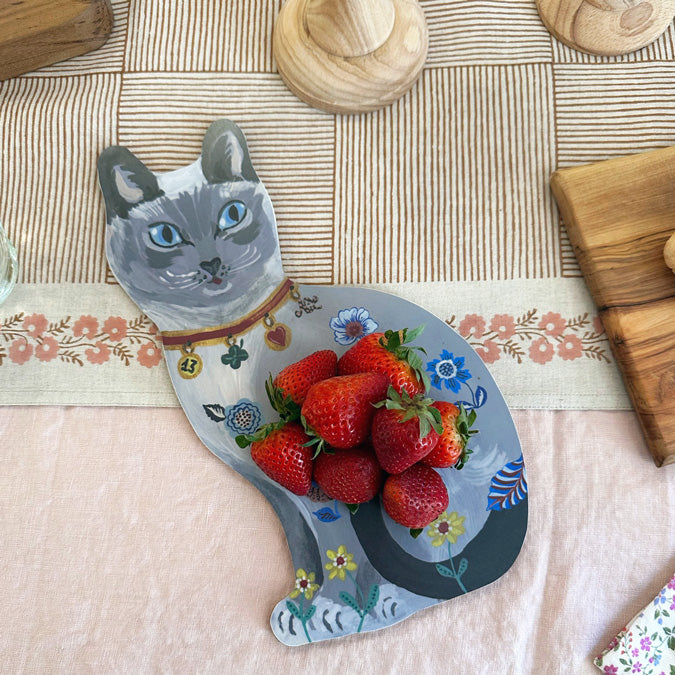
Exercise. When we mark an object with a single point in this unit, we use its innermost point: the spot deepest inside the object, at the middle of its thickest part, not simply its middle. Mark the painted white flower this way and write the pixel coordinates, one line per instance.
(350, 325)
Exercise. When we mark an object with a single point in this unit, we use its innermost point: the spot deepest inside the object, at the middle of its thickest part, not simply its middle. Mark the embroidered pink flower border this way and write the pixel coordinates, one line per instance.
(87, 339)
(539, 338)
(536, 337)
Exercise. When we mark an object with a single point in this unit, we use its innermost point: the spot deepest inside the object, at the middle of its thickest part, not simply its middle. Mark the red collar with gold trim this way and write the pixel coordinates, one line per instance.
(277, 335)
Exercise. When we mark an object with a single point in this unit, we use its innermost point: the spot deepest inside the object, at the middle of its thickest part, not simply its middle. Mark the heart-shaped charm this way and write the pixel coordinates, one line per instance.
(278, 337)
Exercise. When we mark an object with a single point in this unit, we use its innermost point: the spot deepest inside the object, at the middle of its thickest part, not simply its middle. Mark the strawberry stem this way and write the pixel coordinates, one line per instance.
(314, 439)
(463, 425)
(287, 408)
(244, 440)
(416, 406)
(397, 342)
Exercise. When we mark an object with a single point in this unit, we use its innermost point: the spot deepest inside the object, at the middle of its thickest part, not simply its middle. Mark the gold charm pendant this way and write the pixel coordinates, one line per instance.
(190, 364)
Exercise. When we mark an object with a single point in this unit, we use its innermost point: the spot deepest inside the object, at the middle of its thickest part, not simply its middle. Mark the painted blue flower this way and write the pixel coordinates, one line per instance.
(350, 325)
(244, 417)
(448, 370)
(660, 599)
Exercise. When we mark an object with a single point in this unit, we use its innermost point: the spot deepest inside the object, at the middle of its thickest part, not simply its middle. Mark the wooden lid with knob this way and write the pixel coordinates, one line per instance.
(606, 27)
(350, 56)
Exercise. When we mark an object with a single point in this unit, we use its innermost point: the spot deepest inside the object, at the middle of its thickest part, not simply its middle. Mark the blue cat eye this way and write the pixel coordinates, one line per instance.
(165, 235)
(232, 214)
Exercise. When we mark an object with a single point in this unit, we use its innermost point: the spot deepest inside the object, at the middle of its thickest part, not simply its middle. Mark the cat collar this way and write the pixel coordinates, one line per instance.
(277, 335)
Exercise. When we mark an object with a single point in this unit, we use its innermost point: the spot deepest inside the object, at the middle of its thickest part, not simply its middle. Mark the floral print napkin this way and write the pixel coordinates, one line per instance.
(647, 644)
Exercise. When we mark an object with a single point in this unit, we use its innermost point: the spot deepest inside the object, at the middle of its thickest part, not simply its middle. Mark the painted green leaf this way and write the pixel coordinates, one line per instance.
(463, 564)
(373, 597)
(310, 612)
(294, 610)
(445, 571)
(351, 601)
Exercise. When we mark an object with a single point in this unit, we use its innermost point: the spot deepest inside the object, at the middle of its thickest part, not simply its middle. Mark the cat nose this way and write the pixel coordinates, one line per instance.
(211, 266)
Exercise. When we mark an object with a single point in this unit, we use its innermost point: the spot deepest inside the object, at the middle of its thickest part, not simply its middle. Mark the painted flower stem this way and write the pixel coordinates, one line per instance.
(362, 613)
(454, 571)
(304, 618)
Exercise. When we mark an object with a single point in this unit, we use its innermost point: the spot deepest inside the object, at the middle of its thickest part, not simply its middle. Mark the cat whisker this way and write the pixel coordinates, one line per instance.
(245, 262)
(189, 282)
(169, 273)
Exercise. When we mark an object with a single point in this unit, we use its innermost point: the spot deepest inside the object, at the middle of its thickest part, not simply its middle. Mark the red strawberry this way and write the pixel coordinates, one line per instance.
(281, 452)
(388, 353)
(339, 411)
(351, 476)
(451, 448)
(415, 497)
(404, 430)
(296, 379)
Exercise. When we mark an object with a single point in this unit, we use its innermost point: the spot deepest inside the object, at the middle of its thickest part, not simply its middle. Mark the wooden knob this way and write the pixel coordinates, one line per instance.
(606, 27)
(350, 56)
(350, 27)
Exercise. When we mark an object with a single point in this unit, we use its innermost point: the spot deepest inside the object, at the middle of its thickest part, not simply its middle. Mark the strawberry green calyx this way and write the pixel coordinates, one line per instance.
(397, 342)
(314, 439)
(414, 406)
(244, 440)
(463, 424)
(416, 531)
(288, 409)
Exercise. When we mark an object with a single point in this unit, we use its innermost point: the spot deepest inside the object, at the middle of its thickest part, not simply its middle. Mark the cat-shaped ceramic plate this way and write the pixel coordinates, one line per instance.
(197, 250)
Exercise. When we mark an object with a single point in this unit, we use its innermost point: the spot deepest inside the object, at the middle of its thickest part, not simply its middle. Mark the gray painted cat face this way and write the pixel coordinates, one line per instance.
(197, 238)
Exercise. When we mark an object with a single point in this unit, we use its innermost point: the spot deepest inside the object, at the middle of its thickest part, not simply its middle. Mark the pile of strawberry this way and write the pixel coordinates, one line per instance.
(363, 425)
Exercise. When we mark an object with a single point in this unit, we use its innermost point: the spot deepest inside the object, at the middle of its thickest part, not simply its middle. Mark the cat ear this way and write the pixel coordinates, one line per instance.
(225, 155)
(125, 181)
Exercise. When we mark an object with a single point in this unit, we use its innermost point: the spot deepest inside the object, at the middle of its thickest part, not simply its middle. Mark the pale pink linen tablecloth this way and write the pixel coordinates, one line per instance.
(125, 546)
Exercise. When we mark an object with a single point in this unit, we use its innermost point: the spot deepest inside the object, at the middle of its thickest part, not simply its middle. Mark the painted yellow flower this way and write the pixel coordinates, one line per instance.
(340, 563)
(446, 528)
(304, 583)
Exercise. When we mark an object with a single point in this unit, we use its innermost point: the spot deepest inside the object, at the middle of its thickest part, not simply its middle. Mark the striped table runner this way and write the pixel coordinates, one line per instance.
(442, 197)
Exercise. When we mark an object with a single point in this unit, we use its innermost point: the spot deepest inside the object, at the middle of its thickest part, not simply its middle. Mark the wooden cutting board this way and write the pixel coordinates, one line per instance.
(619, 214)
(35, 33)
